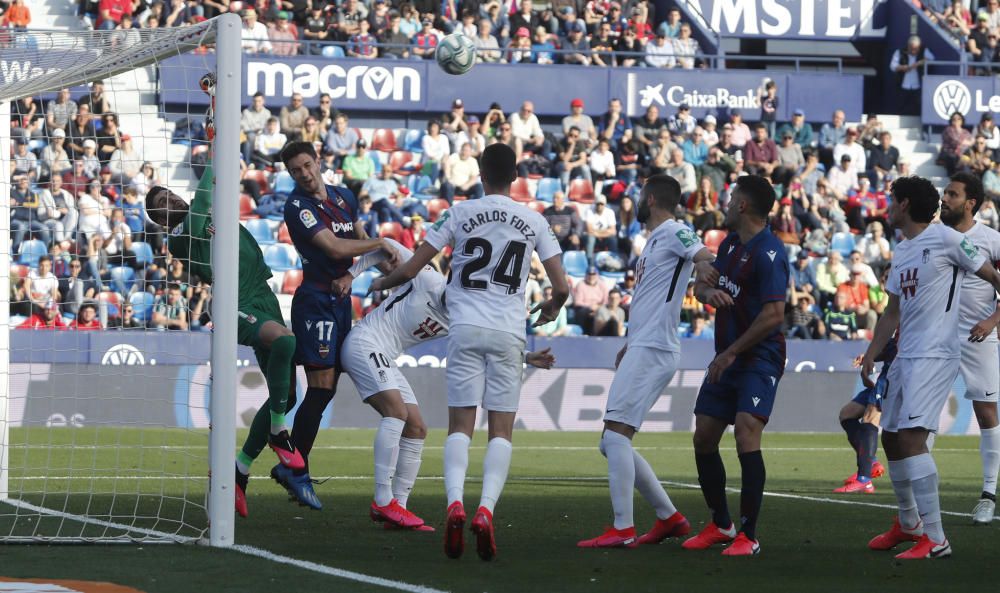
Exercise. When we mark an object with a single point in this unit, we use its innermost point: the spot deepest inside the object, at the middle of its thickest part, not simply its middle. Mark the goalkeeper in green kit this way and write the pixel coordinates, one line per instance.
(260, 322)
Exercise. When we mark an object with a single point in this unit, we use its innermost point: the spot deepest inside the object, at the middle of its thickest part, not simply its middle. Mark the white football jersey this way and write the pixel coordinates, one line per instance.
(979, 299)
(662, 275)
(413, 313)
(492, 240)
(927, 276)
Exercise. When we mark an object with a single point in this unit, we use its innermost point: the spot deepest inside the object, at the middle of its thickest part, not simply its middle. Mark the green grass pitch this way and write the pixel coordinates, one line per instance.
(556, 495)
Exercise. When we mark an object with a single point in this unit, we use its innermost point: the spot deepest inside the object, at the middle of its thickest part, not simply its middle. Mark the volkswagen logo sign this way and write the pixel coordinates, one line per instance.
(951, 96)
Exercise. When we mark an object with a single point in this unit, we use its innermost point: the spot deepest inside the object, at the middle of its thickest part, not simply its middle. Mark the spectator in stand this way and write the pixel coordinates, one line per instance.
(840, 323)
(170, 311)
(843, 178)
(358, 167)
(978, 158)
(506, 137)
(55, 160)
(647, 129)
(718, 167)
(461, 175)
(110, 13)
(292, 118)
(790, 157)
(311, 133)
(75, 289)
(471, 134)
(425, 41)
(350, 13)
(526, 127)
(672, 26)
(564, 222)
(368, 218)
(830, 135)
(610, 318)
(874, 247)
(629, 163)
(519, 50)
(802, 322)
(802, 277)
(268, 145)
(576, 46)
(660, 51)
(487, 47)
(991, 8)
(785, 225)
(601, 165)
(57, 210)
(25, 162)
(91, 164)
(614, 125)
(988, 214)
(630, 49)
(703, 206)
(957, 19)
(109, 139)
(524, 17)
(324, 114)
(695, 148)
(24, 204)
(988, 60)
(741, 131)
(414, 234)
(96, 101)
(908, 64)
(316, 29)
(409, 19)
(687, 49)
(363, 44)
(436, 149)
(572, 161)
(380, 18)
(282, 37)
(768, 97)
(602, 227)
(81, 129)
(60, 111)
(615, 20)
(955, 140)
(627, 288)
(555, 328)
(380, 190)
(86, 319)
(42, 284)
(602, 46)
(18, 17)
(125, 163)
(582, 122)
(255, 37)
(987, 128)
(802, 132)
(851, 146)
(639, 23)
(978, 35)
(588, 296)
(628, 225)
(127, 319)
(852, 297)
(761, 154)
(711, 134)
(48, 318)
(830, 274)
(884, 159)
(341, 139)
(682, 171)
(659, 158)
(856, 262)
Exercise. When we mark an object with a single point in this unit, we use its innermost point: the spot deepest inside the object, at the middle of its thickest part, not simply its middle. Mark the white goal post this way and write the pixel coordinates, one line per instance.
(126, 477)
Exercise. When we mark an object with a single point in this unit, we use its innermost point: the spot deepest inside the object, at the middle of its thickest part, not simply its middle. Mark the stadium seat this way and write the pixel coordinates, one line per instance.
(412, 141)
(581, 190)
(392, 230)
(574, 330)
(356, 306)
(291, 281)
(384, 139)
(283, 183)
(421, 187)
(519, 191)
(283, 236)
(281, 257)
(142, 305)
(112, 300)
(247, 207)
(547, 188)
(575, 263)
(333, 51)
(359, 287)
(122, 279)
(261, 231)
(261, 178)
(435, 207)
(713, 239)
(844, 243)
(402, 162)
(30, 251)
(538, 207)
(143, 252)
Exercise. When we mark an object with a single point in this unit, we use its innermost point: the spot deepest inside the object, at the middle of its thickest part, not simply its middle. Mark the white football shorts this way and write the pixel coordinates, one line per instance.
(484, 368)
(980, 369)
(639, 381)
(918, 390)
(371, 368)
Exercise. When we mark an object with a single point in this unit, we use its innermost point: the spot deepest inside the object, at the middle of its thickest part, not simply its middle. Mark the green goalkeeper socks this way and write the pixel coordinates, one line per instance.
(279, 379)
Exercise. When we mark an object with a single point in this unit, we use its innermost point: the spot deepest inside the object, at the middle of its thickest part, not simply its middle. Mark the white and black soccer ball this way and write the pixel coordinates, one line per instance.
(456, 54)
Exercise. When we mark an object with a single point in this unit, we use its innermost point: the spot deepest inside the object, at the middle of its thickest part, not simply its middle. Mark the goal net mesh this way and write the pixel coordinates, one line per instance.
(106, 338)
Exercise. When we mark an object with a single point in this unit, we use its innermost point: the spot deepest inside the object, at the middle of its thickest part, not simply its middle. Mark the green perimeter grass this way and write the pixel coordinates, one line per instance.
(555, 496)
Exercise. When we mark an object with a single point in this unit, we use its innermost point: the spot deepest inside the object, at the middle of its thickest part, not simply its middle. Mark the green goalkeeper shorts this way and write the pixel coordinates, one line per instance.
(255, 310)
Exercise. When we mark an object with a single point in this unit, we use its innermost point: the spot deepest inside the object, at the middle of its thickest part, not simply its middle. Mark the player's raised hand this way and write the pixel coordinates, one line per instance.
(543, 359)
(719, 299)
(341, 287)
(867, 369)
(549, 310)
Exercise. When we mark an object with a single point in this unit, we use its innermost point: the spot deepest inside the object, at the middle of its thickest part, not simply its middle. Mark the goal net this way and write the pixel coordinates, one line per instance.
(117, 384)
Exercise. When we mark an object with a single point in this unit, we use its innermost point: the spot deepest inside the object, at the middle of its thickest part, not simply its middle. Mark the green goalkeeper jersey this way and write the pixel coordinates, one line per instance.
(192, 241)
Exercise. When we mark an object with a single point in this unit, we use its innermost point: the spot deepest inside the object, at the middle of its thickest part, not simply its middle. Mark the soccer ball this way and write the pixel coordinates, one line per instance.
(456, 54)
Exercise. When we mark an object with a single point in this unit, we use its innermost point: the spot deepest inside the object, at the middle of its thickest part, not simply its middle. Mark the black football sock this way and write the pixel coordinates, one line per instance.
(752, 492)
(307, 419)
(712, 477)
(852, 426)
(868, 438)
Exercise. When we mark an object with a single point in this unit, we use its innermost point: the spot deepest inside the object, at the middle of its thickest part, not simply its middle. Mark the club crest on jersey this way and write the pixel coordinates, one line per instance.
(177, 230)
(908, 282)
(926, 257)
(308, 219)
(324, 350)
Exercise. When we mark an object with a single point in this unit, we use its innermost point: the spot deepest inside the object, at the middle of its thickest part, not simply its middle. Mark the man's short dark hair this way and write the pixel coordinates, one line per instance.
(258, 94)
(758, 193)
(44, 258)
(294, 149)
(973, 188)
(666, 191)
(760, 126)
(87, 305)
(923, 198)
(498, 165)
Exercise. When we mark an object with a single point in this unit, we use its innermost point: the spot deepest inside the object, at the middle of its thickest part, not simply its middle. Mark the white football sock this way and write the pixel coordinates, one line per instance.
(924, 481)
(386, 453)
(650, 488)
(908, 515)
(989, 450)
(496, 464)
(407, 468)
(621, 476)
(456, 462)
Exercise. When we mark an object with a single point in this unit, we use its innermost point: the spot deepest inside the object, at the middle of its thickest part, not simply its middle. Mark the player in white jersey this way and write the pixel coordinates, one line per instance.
(646, 364)
(980, 365)
(414, 313)
(925, 288)
(492, 239)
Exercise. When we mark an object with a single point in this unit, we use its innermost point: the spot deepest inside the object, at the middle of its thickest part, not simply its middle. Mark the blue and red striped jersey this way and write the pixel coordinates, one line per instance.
(305, 216)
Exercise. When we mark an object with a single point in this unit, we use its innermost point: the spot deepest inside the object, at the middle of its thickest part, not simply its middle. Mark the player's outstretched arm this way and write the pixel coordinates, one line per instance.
(707, 293)
(543, 359)
(704, 267)
(408, 271)
(884, 330)
(336, 248)
(549, 310)
(985, 327)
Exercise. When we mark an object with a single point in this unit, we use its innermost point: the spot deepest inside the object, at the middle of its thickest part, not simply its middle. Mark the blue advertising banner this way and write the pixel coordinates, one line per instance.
(419, 86)
(820, 20)
(971, 96)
